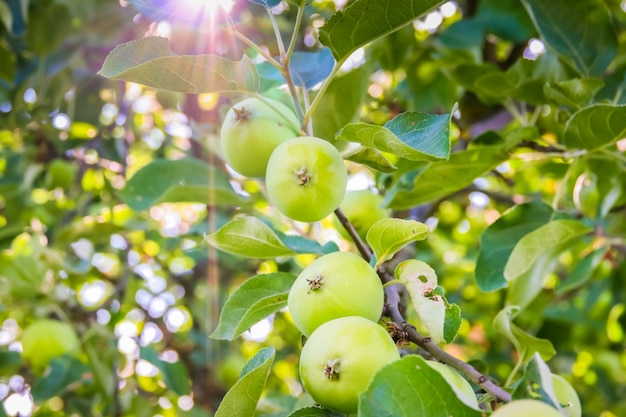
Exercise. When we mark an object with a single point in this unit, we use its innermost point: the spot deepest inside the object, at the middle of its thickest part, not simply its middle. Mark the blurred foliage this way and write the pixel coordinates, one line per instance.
(130, 270)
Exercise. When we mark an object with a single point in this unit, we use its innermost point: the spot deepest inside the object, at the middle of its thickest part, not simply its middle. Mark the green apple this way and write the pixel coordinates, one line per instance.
(250, 132)
(340, 358)
(306, 178)
(460, 385)
(363, 208)
(567, 396)
(46, 339)
(526, 408)
(336, 285)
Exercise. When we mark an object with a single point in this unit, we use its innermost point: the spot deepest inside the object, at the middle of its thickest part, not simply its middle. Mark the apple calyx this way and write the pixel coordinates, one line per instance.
(304, 176)
(242, 114)
(315, 283)
(331, 369)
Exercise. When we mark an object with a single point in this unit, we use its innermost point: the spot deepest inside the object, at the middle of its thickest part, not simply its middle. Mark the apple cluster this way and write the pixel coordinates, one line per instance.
(305, 176)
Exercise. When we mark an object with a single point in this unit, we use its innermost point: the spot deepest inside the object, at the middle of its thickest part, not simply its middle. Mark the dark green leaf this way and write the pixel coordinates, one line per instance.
(411, 388)
(268, 3)
(64, 371)
(506, 19)
(314, 412)
(48, 25)
(499, 239)
(307, 68)
(150, 61)
(411, 135)
(241, 400)
(366, 20)
(574, 93)
(181, 180)
(440, 179)
(575, 29)
(582, 271)
(255, 299)
(452, 323)
(174, 374)
(595, 126)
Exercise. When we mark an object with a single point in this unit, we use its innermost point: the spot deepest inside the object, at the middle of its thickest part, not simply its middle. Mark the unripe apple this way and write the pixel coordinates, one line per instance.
(526, 408)
(306, 178)
(336, 285)
(46, 339)
(363, 208)
(461, 387)
(567, 396)
(340, 358)
(250, 132)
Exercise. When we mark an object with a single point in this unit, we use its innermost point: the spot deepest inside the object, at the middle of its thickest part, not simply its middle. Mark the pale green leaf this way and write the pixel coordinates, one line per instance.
(537, 242)
(180, 180)
(371, 158)
(409, 387)
(575, 29)
(150, 61)
(523, 289)
(411, 135)
(537, 383)
(595, 126)
(525, 344)
(254, 300)
(241, 400)
(366, 20)
(420, 281)
(388, 236)
(248, 236)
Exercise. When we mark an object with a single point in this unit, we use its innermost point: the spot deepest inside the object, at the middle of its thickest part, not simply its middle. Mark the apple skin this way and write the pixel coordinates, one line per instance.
(460, 385)
(306, 178)
(250, 132)
(355, 348)
(363, 208)
(348, 286)
(526, 408)
(567, 396)
(46, 339)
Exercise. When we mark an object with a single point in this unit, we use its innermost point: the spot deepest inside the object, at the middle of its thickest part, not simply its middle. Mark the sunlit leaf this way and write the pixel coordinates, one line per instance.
(410, 388)
(307, 68)
(499, 239)
(411, 135)
(536, 243)
(537, 383)
(174, 374)
(150, 61)
(366, 20)
(388, 236)
(575, 29)
(525, 344)
(180, 180)
(241, 400)
(371, 158)
(595, 126)
(255, 299)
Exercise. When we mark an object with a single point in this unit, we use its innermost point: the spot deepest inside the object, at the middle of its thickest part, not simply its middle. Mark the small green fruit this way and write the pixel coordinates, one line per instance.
(567, 396)
(363, 208)
(336, 285)
(250, 132)
(526, 408)
(306, 178)
(461, 387)
(46, 339)
(340, 359)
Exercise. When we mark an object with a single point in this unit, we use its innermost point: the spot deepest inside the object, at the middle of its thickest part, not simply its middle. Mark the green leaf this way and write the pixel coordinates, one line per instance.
(255, 299)
(174, 374)
(537, 383)
(242, 398)
(420, 281)
(250, 237)
(388, 236)
(595, 126)
(523, 289)
(341, 102)
(180, 180)
(574, 93)
(410, 388)
(314, 412)
(575, 29)
(411, 135)
(506, 19)
(452, 322)
(64, 371)
(536, 243)
(371, 158)
(440, 179)
(366, 20)
(582, 271)
(49, 24)
(499, 239)
(150, 61)
(525, 344)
